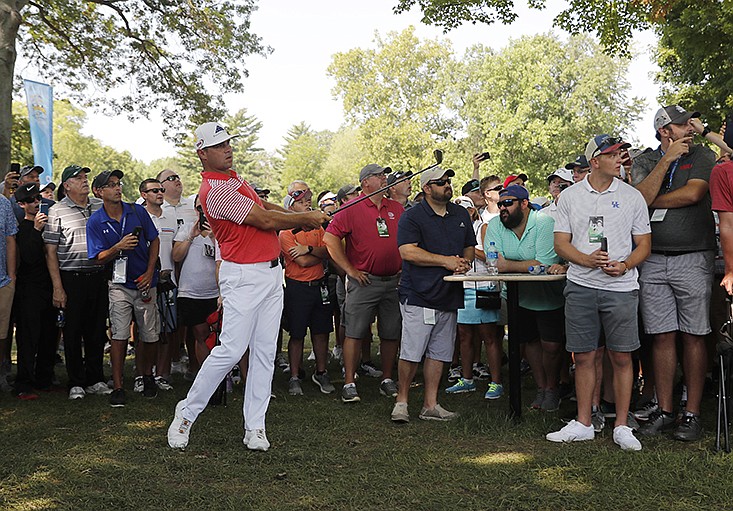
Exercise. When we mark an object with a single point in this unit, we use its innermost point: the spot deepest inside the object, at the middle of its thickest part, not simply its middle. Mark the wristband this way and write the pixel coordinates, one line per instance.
(705, 132)
(626, 268)
(310, 249)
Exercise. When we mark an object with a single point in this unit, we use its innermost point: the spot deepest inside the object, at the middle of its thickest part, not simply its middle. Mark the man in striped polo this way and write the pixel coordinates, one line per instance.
(602, 288)
(79, 284)
(250, 281)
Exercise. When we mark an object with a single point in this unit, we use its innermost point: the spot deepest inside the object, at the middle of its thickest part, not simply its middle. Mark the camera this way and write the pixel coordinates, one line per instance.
(484, 156)
(563, 186)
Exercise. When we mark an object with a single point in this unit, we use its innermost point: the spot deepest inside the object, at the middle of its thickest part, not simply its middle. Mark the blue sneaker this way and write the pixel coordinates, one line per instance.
(496, 390)
(462, 385)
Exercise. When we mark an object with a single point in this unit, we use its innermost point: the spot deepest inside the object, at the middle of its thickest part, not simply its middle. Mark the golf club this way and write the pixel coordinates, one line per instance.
(437, 154)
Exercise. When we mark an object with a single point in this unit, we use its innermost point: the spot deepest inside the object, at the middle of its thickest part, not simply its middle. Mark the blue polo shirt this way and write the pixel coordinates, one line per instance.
(103, 232)
(445, 235)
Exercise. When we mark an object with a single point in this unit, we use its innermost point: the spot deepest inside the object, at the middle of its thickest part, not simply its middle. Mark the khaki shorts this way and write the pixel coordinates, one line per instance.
(6, 305)
(378, 299)
(123, 302)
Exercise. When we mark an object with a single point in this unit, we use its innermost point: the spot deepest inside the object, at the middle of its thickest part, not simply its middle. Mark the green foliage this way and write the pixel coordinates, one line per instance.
(536, 102)
(611, 20)
(694, 50)
(395, 95)
(168, 55)
(532, 104)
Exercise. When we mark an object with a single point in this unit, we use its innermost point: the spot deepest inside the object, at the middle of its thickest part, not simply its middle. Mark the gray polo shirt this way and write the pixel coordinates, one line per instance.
(691, 228)
(67, 229)
(620, 211)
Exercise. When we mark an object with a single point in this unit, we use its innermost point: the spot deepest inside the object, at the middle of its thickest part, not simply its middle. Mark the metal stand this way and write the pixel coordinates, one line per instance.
(725, 359)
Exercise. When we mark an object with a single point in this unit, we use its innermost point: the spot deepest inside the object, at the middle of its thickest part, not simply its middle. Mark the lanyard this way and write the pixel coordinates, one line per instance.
(670, 172)
(124, 219)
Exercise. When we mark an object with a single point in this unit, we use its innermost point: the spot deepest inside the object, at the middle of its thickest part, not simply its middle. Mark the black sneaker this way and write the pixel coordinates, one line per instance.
(608, 409)
(117, 398)
(689, 429)
(658, 422)
(150, 388)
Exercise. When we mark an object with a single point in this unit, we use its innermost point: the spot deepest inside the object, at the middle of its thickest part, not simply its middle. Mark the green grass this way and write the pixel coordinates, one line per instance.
(83, 455)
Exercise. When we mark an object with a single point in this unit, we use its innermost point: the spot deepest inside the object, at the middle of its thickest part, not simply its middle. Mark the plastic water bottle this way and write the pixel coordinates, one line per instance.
(537, 270)
(492, 259)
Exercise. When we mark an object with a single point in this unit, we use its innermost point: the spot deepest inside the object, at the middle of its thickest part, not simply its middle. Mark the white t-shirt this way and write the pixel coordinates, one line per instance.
(183, 211)
(198, 271)
(617, 213)
(167, 228)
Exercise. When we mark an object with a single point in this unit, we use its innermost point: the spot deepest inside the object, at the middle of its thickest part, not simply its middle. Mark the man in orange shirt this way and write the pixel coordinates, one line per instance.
(307, 303)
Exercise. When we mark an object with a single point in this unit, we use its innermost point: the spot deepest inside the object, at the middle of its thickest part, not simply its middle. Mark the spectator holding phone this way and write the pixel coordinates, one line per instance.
(35, 315)
(29, 174)
(123, 236)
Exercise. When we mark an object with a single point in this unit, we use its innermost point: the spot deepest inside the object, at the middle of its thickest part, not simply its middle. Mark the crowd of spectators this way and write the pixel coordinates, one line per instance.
(633, 230)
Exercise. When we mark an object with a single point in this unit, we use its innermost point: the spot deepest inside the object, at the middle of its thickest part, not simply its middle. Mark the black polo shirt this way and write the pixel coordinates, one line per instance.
(445, 235)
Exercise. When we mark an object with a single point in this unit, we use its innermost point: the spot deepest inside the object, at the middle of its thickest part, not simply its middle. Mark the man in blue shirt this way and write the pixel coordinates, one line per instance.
(123, 236)
(435, 239)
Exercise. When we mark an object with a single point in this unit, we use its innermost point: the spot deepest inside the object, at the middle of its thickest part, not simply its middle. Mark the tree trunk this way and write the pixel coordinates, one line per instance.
(9, 22)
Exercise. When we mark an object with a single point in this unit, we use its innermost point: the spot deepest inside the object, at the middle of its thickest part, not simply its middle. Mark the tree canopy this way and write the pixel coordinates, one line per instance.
(130, 57)
(532, 105)
(694, 38)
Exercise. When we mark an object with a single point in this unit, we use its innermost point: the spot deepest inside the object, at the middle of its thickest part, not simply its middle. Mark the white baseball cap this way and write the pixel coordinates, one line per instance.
(211, 133)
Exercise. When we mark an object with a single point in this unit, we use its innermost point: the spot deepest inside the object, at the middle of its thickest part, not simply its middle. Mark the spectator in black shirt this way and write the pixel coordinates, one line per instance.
(35, 315)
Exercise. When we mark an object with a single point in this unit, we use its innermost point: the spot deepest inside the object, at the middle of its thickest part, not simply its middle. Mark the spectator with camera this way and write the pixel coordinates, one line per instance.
(123, 236)
(198, 292)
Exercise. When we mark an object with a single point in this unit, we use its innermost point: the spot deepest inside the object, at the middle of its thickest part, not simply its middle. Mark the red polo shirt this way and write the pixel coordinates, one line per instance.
(227, 199)
(365, 248)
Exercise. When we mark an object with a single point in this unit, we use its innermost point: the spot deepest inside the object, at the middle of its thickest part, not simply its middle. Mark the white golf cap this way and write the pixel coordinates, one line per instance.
(211, 133)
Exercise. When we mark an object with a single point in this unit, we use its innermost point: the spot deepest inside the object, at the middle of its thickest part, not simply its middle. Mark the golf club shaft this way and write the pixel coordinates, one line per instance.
(381, 190)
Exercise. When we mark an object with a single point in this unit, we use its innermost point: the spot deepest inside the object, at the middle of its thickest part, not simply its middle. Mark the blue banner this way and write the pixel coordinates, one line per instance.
(39, 97)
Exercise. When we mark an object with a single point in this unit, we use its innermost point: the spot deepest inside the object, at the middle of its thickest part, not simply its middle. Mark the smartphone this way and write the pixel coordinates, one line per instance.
(43, 208)
(203, 224)
(484, 156)
(137, 231)
(728, 135)
(604, 244)
(15, 171)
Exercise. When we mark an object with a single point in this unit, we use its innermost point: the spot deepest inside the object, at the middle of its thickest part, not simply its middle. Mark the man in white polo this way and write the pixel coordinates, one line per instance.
(602, 291)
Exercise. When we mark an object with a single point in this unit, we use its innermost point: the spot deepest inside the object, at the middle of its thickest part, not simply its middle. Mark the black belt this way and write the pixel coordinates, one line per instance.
(309, 283)
(81, 273)
(274, 262)
(676, 252)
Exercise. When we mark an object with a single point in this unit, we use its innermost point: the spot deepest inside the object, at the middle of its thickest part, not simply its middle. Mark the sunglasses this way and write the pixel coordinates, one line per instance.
(155, 190)
(31, 200)
(507, 202)
(495, 189)
(118, 184)
(440, 182)
(297, 194)
(605, 143)
(172, 177)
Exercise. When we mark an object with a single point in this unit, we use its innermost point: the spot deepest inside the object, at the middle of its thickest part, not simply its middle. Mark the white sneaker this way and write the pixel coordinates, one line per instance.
(138, 386)
(180, 428)
(338, 352)
(162, 383)
(100, 388)
(256, 440)
(76, 393)
(573, 431)
(624, 437)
